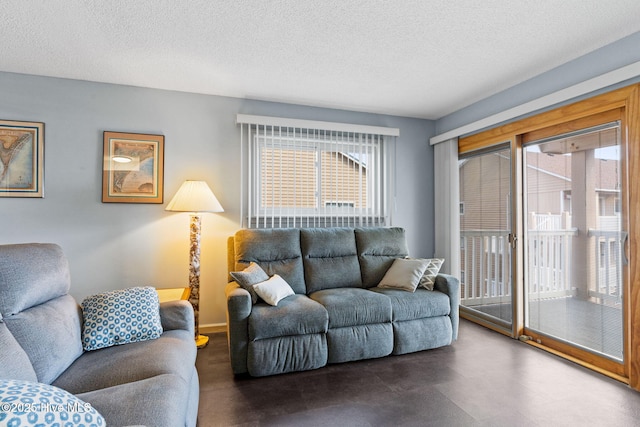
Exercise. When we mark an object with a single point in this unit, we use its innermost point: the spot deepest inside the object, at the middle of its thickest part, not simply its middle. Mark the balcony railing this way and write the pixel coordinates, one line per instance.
(486, 267)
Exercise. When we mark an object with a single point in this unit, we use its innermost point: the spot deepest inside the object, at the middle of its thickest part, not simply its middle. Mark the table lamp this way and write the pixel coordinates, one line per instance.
(195, 197)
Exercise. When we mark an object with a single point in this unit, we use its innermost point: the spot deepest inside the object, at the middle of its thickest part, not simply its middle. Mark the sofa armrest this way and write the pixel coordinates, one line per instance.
(239, 307)
(450, 285)
(177, 315)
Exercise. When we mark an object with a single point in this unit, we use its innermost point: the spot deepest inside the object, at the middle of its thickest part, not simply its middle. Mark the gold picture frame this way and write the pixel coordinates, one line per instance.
(21, 159)
(133, 168)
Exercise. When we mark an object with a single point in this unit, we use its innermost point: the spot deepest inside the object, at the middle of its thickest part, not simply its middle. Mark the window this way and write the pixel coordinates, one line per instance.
(315, 174)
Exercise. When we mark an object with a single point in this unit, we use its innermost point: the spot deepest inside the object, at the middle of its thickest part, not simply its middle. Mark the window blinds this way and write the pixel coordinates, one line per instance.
(299, 173)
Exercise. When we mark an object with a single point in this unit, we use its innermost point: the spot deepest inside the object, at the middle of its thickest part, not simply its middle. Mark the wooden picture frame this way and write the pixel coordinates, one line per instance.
(21, 159)
(133, 168)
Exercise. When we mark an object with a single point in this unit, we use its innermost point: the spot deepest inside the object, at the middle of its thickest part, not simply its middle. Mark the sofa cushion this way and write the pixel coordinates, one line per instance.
(295, 315)
(157, 401)
(421, 334)
(277, 251)
(250, 276)
(173, 353)
(14, 362)
(286, 354)
(404, 274)
(120, 317)
(332, 265)
(417, 305)
(35, 404)
(359, 342)
(353, 306)
(31, 274)
(377, 249)
(50, 335)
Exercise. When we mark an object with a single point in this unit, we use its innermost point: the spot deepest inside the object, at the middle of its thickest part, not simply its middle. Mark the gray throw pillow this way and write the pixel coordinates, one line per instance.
(428, 280)
(250, 276)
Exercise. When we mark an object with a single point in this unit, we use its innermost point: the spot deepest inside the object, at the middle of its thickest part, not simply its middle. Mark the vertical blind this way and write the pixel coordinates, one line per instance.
(299, 173)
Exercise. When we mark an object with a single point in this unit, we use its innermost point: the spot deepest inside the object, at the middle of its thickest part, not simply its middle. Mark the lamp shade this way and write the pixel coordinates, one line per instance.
(194, 196)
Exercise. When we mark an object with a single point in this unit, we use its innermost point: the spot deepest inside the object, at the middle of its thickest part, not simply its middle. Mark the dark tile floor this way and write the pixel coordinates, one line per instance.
(484, 379)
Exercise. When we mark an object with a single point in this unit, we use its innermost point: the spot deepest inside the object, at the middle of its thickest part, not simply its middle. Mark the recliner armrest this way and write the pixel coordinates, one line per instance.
(239, 307)
(450, 285)
(177, 315)
(238, 301)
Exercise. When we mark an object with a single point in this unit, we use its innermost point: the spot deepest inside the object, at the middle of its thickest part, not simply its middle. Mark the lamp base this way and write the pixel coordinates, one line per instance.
(202, 341)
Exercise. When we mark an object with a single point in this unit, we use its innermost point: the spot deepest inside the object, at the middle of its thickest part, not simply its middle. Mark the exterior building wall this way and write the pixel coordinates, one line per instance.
(290, 177)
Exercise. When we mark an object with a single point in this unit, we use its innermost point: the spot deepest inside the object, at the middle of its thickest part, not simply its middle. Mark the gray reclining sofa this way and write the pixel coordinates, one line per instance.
(338, 314)
(151, 383)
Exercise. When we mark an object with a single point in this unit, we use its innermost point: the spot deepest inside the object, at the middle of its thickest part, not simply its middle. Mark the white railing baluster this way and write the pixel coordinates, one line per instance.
(487, 267)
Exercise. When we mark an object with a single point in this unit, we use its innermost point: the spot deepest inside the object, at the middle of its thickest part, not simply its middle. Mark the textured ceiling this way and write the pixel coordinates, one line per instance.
(416, 58)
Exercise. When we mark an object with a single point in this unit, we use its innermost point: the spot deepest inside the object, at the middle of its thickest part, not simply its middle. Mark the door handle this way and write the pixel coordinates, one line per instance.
(623, 241)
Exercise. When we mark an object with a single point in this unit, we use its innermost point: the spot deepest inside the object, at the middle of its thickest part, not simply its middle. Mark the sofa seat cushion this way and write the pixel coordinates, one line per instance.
(354, 306)
(294, 315)
(173, 353)
(417, 305)
(157, 401)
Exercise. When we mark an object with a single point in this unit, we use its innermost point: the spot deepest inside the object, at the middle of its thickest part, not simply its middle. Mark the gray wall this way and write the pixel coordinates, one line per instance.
(111, 246)
(608, 58)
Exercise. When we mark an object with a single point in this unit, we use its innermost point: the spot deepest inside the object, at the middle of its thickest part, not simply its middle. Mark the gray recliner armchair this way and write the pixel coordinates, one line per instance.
(153, 382)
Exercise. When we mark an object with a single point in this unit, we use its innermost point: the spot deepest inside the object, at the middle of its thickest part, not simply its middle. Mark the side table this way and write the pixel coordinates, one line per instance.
(172, 294)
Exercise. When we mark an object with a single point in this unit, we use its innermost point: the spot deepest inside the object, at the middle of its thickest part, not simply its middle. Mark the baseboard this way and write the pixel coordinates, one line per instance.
(213, 328)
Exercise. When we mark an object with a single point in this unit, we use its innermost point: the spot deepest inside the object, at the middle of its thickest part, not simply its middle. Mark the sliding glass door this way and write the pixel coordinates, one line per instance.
(574, 242)
(559, 203)
(485, 236)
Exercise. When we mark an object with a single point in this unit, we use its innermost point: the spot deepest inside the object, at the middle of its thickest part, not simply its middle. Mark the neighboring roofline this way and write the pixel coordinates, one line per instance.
(555, 175)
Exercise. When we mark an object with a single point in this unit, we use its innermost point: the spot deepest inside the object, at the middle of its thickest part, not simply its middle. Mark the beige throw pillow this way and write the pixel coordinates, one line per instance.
(404, 274)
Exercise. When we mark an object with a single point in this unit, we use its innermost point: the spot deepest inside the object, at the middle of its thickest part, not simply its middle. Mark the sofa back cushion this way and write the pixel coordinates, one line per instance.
(377, 248)
(50, 334)
(37, 309)
(31, 274)
(277, 251)
(14, 362)
(330, 258)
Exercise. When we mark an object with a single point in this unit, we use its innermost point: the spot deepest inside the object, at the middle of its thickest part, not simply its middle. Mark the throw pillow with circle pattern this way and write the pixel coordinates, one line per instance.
(120, 317)
(26, 403)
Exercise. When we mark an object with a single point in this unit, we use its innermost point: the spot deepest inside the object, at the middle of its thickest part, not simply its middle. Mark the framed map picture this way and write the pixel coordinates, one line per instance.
(133, 168)
(21, 159)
